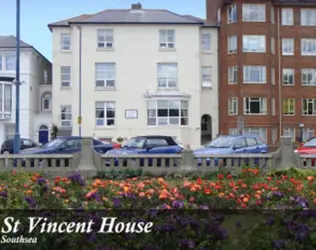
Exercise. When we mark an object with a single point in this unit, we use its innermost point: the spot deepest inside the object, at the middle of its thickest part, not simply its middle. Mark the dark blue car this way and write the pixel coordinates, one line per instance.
(151, 144)
(67, 145)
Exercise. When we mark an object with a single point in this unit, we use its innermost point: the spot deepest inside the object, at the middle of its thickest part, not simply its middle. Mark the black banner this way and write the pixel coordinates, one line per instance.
(158, 229)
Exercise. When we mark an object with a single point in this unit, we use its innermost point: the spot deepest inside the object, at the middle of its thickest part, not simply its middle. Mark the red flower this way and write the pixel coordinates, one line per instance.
(220, 176)
(199, 181)
(229, 176)
(207, 191)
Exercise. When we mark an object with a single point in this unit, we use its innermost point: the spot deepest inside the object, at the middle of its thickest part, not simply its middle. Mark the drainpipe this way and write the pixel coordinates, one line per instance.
(80, 83)
(17, 82)
(280, 74)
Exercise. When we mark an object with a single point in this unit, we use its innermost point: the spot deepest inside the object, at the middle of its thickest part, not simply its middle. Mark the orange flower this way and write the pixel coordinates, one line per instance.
(141, 185)
(126, 189)
(245, 200)
(257, 196)
(29, 192)
(163, 196)
(310, 178)
(88, 195)
(221, 195)
(193, 189)
(160, 180)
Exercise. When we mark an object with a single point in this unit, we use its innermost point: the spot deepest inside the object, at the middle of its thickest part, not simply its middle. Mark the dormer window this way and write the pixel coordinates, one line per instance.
(46, 101)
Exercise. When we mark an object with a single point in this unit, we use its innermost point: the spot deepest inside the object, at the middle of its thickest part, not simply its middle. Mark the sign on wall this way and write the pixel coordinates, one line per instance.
(131, 113)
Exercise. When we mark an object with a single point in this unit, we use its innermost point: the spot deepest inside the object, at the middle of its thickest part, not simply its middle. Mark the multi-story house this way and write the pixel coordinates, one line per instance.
(127, 72)
(35, 91)
(267, 67)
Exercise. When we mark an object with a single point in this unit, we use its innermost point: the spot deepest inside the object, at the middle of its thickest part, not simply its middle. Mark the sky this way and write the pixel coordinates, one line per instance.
(37, 14)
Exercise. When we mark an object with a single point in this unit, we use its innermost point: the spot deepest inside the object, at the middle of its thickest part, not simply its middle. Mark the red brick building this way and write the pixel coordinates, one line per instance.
(267, 58)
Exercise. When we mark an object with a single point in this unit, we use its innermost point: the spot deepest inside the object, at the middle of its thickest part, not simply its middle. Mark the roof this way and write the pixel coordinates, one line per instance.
(130, 16)
(9, 42)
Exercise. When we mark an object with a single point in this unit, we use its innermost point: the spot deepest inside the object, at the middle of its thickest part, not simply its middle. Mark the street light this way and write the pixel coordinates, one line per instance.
(17, 79)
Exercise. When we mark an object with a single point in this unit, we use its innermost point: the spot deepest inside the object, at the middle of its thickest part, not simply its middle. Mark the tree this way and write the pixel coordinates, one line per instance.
(53, 134)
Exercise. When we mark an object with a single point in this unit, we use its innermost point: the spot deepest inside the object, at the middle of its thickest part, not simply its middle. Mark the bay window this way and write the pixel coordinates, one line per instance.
(5, 100)
(167, 112)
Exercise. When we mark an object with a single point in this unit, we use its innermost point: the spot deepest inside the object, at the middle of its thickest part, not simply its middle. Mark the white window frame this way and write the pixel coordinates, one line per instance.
(258, 40)
(9, 130)
(46, 96)
(272, 15)
(309, 102)
(287, 46)
(262, 73)
(306, 73)
(308, 44)
(167, 75)
(273, 76)
(65, 42)
(290, 132)
(105, 107)
(65, 76)
(232, 13)
(5, 100)
(105, 38)
(259, 132)
(153, 118)
(105, 75)
(66, 123)
(272, 45)
(232, 106)
(287, 17)
(233, 75)
(206, 76)
(10, 65)
(308, 17)
(262, 105)
(206, 40)
(308, 133)
(291, 108)
(167, 38)
(232, 44)
(287, 74)
(1, 63)
(273, 106)
(274, 135)
(253, 9)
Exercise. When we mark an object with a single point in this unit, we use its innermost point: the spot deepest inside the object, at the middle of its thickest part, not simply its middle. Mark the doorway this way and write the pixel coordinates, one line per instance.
(43, 134)
(206, 129)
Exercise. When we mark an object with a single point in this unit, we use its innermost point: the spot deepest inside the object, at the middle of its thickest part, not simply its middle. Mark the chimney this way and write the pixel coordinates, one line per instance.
(212, 7)
(136, 6)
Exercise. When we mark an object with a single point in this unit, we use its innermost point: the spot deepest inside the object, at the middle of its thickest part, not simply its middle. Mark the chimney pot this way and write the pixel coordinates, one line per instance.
(136, 6)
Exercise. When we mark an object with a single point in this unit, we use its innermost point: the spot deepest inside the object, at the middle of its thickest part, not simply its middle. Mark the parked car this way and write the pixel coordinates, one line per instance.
(67, 145)
(151, 144)
(308, 148)
(7, 146)
(230, 144)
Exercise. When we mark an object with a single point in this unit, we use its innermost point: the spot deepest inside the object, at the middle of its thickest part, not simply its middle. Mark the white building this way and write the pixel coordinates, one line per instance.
(141, 71)
(35, 91)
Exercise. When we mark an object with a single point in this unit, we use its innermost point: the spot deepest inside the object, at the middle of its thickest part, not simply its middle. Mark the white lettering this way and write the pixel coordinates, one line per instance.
(8, 221)
(105, 223)
(32, 224)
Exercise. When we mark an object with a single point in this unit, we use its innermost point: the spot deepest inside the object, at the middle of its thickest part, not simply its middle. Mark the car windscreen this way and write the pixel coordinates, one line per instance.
(137, 142)
(311, 143)
(220, 142)
(54, 143)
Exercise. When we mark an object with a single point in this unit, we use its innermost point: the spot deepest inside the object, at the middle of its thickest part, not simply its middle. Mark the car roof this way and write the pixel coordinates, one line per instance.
(155, 136)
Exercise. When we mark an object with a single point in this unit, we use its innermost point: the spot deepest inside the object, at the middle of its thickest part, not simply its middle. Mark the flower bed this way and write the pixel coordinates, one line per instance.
(182, 216)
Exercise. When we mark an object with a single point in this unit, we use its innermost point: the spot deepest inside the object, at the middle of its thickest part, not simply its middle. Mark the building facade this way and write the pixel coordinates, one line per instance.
(129, 72)
(35, 92)
(267, 67)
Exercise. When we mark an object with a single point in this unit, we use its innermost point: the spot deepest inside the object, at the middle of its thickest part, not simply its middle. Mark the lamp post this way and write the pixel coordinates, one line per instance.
(17, 82)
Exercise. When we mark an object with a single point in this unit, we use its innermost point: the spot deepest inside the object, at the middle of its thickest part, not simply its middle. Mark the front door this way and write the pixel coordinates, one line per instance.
(43, 136)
